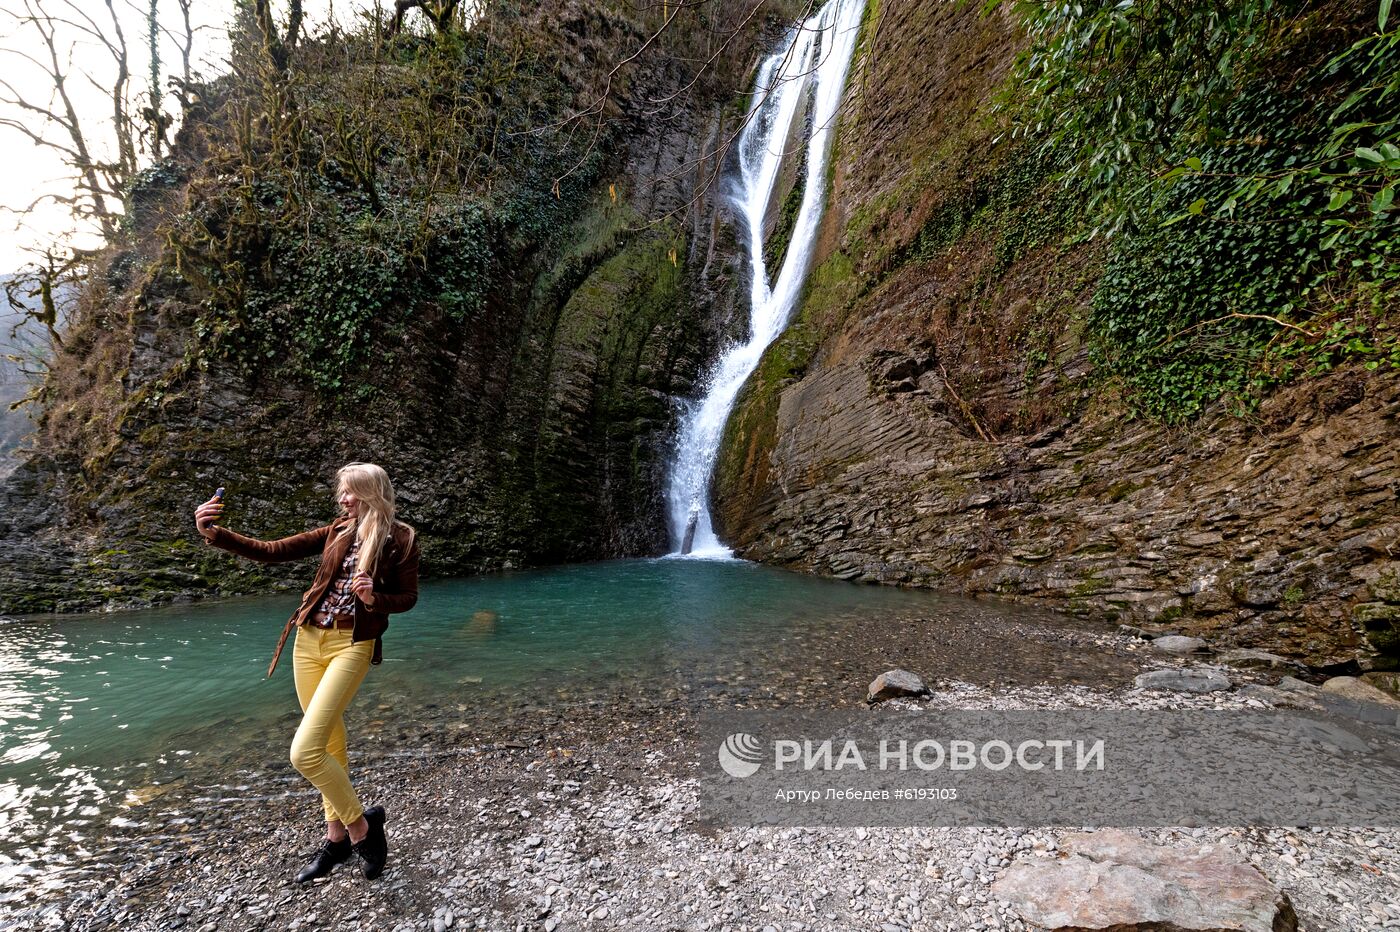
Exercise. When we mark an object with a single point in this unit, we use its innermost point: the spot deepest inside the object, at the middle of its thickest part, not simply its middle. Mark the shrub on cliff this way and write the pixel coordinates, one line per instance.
(1242, 160)
(371, 180)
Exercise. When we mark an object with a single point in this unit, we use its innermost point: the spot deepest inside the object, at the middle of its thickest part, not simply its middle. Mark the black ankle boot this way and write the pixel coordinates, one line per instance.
(373, 849)
(331, 854)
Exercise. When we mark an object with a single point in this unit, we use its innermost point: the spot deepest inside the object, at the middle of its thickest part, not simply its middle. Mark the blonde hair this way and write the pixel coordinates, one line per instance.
(370, 485)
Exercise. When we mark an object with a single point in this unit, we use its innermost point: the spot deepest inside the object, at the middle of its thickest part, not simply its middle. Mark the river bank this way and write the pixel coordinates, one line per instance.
(587, 818)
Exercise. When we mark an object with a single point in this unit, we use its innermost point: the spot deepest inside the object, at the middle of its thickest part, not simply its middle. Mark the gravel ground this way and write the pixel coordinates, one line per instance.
(590, 822)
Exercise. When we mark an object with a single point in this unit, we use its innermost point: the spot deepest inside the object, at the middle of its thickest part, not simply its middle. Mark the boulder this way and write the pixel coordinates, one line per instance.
(894, 683)
(1349, 687)
(1348, 697)
(1179, 644)
(1115, 880)
(1188, 680)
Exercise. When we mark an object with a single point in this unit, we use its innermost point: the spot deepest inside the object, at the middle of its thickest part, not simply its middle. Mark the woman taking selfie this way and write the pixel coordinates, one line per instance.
(368, 571)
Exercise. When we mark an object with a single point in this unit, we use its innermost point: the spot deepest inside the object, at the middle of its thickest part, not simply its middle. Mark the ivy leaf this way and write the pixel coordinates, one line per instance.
(1383, 199)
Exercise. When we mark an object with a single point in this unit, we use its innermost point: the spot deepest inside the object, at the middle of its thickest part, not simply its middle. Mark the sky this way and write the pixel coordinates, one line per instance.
(30, 171)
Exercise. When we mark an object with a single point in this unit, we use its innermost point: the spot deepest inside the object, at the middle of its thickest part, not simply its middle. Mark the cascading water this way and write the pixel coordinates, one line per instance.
(812, 60)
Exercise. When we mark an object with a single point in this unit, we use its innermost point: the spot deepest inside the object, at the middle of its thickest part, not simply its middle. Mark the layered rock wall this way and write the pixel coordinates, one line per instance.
(933, 417)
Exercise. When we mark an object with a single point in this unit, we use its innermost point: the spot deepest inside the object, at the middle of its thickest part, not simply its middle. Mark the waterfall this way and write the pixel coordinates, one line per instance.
(812, 60)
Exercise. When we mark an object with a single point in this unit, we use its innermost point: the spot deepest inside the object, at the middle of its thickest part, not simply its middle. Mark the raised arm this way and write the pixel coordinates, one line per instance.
(307, 544)
(295, 547)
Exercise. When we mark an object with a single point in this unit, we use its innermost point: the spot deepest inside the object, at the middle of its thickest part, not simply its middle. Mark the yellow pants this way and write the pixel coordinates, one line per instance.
(328, 669)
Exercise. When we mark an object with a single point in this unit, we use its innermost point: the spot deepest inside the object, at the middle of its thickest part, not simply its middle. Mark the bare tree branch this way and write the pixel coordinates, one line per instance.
(440, 12)
(33, 292)
(121, 117)
(17, 126)
(278, 45)
(80, 159)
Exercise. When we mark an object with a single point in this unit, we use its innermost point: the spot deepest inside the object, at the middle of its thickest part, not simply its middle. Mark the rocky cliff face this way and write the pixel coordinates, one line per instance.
(534, 429)
(934, 417)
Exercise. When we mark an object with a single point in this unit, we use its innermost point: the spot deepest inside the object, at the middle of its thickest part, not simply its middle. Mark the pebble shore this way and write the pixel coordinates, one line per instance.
(591, 822)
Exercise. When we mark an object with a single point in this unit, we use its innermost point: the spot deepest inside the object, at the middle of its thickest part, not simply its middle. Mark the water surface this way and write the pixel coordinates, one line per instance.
(101, 714)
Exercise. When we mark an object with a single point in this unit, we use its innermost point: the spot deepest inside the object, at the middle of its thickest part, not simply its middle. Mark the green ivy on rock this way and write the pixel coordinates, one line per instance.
(1241, 160)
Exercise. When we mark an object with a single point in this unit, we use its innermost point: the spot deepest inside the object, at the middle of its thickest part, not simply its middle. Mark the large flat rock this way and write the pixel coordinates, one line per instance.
(1179, 644)
(1114, 881)
(1187, 680)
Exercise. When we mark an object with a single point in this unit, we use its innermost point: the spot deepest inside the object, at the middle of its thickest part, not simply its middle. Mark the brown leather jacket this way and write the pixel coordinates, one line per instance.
(395, 578)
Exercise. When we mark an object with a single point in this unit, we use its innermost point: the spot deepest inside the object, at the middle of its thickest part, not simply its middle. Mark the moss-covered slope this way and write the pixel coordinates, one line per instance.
(402, 251)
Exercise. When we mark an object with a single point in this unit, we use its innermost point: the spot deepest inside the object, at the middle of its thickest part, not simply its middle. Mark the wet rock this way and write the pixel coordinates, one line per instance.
(1179, 644)
(1187, 680)
(1116, 880)
(894, 683)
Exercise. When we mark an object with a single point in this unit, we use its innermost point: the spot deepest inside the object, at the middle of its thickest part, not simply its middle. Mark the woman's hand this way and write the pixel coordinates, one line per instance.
(205, 516)
(363, 586)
